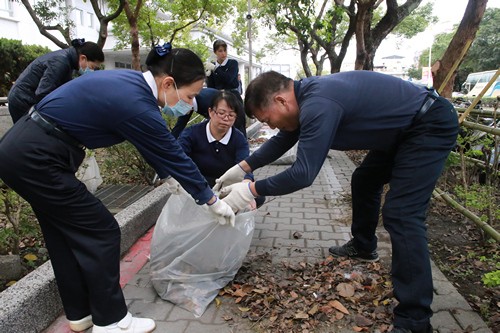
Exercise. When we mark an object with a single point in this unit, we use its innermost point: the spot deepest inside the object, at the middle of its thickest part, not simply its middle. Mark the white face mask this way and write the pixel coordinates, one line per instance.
(181, 108)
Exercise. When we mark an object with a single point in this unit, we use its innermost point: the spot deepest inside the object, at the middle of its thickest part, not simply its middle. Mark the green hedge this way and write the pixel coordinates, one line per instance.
(15, 58)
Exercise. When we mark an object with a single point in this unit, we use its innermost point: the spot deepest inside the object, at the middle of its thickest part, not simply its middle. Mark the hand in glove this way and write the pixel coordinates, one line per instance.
(238, 195)
(231, 176)
(223, 212)
(209, 67)
(173, 186)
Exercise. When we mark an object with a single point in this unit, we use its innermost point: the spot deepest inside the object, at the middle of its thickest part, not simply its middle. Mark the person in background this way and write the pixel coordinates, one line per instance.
(43, 150)
(409, 131)
(224, 76)
(215, 145)
(201, 104)
(240, 84)
(50, 71)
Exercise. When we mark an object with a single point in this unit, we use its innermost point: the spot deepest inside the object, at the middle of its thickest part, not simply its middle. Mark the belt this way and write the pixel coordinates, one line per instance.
(432, 96)
(52, 129)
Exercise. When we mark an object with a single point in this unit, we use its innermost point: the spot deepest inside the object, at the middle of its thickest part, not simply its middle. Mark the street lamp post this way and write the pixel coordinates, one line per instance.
(429, 74)
(249, 35)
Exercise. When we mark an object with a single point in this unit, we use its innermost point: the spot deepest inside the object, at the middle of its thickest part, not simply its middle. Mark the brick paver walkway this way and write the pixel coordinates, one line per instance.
(321, 213)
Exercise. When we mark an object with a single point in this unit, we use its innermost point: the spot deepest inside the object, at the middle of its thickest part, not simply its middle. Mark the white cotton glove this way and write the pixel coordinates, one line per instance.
(238, 195)
(234, 175)
(209, 67)
(223, 212)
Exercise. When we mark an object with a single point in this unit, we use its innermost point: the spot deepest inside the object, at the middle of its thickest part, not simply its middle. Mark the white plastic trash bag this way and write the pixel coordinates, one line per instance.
(193, 256)
(89, 173)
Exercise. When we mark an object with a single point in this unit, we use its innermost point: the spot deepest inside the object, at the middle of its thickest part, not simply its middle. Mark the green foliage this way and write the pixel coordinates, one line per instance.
(15, 58)
(16, 221)
(484, 53)
(177, 20)
(492, 279)
(415, 72)
(416, 22)
(439, 46)
(124, 164)
(52, 12)
(477, 197)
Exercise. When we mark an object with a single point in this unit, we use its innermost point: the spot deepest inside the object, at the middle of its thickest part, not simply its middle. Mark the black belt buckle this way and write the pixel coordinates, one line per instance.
(53, 130)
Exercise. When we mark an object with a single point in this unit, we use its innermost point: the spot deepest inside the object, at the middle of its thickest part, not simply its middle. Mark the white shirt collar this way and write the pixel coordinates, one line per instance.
(148, 76)
(224, 63)
(224, 140)
(195, 105)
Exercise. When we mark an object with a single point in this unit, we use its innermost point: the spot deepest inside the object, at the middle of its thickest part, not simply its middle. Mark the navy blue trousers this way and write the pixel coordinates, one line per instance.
(81, 235)
(411, 169)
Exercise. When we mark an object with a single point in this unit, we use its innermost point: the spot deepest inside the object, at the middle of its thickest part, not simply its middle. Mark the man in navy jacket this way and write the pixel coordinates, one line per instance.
(409, 131)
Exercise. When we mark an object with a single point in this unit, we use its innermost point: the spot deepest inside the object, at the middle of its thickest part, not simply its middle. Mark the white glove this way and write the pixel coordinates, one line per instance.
(209, 67)
(173, 186)
(238, 196)
(231, 176)
(223, 212)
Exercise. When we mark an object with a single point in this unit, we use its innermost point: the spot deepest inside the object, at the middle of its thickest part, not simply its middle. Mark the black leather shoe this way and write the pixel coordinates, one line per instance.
(350, 251)
(405, 330)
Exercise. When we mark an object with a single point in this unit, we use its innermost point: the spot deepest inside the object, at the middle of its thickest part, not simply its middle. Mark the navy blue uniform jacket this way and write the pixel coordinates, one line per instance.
(44, 75)
(104, 108)
(224, 77)
(343, 111)
(214, 158)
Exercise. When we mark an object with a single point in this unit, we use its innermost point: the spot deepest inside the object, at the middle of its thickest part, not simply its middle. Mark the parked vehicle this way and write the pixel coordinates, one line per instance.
(475, 83)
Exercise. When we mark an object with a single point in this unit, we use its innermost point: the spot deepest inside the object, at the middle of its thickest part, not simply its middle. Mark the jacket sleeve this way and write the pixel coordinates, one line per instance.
(319, 121)
(147, 132)
(57, 72)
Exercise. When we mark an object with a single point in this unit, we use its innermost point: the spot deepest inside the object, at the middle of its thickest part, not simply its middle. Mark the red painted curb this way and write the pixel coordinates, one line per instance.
(136, 257)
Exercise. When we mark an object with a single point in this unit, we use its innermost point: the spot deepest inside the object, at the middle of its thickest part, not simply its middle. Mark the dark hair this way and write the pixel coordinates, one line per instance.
(262, 88)
(89, 49)
(181, 64)
(229, 98)
(218, 43)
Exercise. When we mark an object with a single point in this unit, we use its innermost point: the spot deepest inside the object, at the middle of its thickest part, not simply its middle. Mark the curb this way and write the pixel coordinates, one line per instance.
(33, 303)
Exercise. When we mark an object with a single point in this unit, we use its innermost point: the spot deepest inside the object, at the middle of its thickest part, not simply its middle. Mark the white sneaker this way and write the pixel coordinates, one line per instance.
(81, 325)
(128, 324)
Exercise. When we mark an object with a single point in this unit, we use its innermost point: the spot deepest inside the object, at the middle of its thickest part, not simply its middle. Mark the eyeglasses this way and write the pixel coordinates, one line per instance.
(221, 114)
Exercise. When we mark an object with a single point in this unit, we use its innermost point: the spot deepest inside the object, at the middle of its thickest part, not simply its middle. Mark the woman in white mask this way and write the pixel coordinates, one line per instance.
(43, 150)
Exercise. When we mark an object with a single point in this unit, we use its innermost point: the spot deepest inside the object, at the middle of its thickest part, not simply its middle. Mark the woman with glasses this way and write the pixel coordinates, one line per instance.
(50, 71)
(43, 150)
(216, 145)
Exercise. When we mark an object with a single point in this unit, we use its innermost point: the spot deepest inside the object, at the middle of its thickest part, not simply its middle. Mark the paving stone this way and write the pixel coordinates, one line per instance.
(469, 318)
(157, 311)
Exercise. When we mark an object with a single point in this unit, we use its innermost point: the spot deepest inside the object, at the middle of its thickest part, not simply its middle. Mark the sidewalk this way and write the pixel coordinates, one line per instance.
(322, 215)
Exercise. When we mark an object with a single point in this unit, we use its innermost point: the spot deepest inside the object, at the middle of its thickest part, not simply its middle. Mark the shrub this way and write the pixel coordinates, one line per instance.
(15, 58)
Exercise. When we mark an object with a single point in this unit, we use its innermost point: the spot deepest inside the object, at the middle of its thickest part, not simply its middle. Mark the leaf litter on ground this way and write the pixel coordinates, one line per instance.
(309, 297)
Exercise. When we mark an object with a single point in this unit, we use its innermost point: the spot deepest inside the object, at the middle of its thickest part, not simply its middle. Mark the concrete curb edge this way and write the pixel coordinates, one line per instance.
(33, 303)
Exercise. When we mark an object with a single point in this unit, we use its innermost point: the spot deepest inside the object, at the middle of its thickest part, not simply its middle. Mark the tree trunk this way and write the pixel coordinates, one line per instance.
(44, 30)
(104, 20)
(303, 60)
(363, 21)
(369, 39)
(134, 33)
(466, 32)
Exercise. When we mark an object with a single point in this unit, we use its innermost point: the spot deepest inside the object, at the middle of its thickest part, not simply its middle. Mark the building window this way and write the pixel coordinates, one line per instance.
(90, 20)
(6, 6)
(123, 65)
(79, 17)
